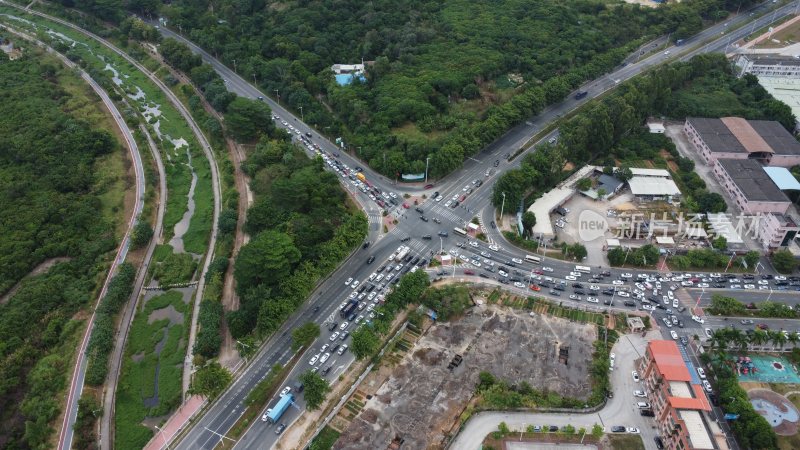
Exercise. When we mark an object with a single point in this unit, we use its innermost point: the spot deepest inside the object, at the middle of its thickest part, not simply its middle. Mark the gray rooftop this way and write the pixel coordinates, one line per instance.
(720, 139)
(717, 135)
(752, 180)
(772, 60)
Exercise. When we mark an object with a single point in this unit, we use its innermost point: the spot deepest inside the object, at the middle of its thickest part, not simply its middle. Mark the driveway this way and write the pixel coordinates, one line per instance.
(619, 410)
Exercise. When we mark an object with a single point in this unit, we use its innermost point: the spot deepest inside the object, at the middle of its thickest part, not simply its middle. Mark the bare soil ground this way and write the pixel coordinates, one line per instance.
(420, 398)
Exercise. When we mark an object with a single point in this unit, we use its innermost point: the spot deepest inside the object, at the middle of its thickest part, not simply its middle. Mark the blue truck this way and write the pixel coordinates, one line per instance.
(280, 408)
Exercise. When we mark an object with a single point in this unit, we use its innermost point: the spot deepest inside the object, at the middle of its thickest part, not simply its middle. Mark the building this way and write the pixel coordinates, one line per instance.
(653, 184)
(751, 187)
(737, 138)
(776, 230)
(656, 127)
(346, 73)
(677, 398)
(767, 65)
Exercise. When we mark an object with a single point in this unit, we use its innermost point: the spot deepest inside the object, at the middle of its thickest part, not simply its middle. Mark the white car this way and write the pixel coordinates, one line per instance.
(574, 297)
(355, 284)
(286, 390)
(623, 294)
(313, 359)
(640, 394)
(334, 336)
(702, 285)
(626, 275)
(594, 287)
(473, 244)
(617, 282)
(570, 278)
(547, 269)
(592, 300)
(674, 335)
(634, 430)
(780, 278)
(707, 386)
(670, 294)
(749, 286)
(502, 273)
(324, 358)
(698, 319)
(675, 303)
(518, 284)
(494, 248)
(702, 373)
(349, 280)
(516, 260)
(635, 376)
(763, 282)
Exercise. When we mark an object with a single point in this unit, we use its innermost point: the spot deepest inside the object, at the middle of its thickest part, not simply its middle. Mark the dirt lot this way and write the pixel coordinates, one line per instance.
(421, 397)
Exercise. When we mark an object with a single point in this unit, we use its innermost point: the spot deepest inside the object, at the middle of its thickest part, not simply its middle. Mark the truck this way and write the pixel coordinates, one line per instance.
(280, 408)
(349, 308)
(401, 253)
(361, 177)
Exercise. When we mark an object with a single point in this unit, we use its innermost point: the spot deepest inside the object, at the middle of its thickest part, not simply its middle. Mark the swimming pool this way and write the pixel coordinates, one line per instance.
(769, 369)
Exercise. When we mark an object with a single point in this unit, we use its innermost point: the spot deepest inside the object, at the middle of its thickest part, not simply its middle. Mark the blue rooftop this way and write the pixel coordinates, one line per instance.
(783, 178)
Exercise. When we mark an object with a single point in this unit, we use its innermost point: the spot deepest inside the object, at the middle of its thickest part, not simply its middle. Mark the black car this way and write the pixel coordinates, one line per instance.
(423, 263)
(496, 162)
(408, 258)
(442, 233)
(423, 218)
(580, 292)
(316, 308)
(427, 237)
(647, 412)
(419, 210)
(405, 239)
(435, 194)
(366, 244)
(488, 268)
(370, 259)
(608, 292)
(767, 276)
(327, 369)
(559, 287)
(415, 260)
(555, 293)
(381, 269)
(493, 224)
(332, 326)
(483, 275)
(629, 303)
(617, 429)
(577, 285)
(659, 442)
(552, 428)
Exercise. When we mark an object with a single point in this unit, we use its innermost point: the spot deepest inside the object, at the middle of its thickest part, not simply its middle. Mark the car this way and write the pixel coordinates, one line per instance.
(493, 224)
(342, 349)
(473, 244)
(702, 373)
(355, 284)
(618, 429)
(324, 358)
(280, 429)
(617, 282)
(349, 280)
(708, 332)
(643, 405)
(674, 335)
(332, 326)
(666, 53)
(635, 376)
(746, 321)
(266, 415)
(344, 325)
(552, 428)
(707, 386)
(639, 394)
(286, 390)
(370, 259)
(344, 336)
(313, 359)
(659, 442)
(334, 336)
(570, 277)
(633, 430)
(698, 319)
(547, 269)
(647, 413)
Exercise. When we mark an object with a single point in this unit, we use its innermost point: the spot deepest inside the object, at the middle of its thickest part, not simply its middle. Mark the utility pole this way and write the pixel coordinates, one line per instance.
(301, 114)
(278, 94)
(234, 66)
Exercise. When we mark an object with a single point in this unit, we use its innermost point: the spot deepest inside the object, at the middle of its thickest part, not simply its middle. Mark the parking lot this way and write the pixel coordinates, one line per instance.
(421, 398)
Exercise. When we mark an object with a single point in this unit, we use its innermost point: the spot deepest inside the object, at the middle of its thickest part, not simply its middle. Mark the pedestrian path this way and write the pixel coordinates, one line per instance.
(446, 213)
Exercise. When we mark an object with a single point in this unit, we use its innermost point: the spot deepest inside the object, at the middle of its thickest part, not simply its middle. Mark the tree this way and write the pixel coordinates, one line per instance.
(709, 202)
(624, 174)
(364, 343)
(601, 193)
(141, 235)
(210, 380)
(784, 261)
(304, 335)
(246, 118)
(751, 258)
(597, 430)
(584, 184)
(268, 259)
(315, 388)
(528, 221)
(720, 243)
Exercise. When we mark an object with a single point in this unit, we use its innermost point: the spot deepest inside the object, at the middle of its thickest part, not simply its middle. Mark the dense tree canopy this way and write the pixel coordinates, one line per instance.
(51, 208)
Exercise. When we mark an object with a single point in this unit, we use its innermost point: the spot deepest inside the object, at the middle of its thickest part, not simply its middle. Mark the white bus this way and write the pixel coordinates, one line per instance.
(584, 269)
(533, 259)
(459, 231)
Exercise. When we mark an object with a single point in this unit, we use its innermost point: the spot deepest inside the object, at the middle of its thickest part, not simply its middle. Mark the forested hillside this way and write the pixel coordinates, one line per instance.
(446, 78)
(52, 207)
(301, 228)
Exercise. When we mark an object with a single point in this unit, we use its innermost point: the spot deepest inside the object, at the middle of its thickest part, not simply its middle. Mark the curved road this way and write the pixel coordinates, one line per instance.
(77, 385)
(79, 371)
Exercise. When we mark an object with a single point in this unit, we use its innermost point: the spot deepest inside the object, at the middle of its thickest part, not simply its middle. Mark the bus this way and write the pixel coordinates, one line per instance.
(459, 231)
(584, 269)
(533, 259)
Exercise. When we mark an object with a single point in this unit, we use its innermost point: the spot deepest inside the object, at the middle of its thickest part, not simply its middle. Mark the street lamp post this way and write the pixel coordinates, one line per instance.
(502, 205)
(161, 432)
(234, 66)
(301, 114)
(426, 169)
(278, 94)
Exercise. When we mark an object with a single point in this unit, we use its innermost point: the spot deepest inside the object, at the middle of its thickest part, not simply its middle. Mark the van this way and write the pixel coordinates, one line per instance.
(298, 386)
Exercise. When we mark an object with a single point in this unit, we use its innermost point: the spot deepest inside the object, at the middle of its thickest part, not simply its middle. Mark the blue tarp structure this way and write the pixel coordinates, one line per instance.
(783, 178)
(347, 78)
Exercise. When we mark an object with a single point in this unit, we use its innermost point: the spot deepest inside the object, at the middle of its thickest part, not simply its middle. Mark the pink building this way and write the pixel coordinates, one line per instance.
(736, 138)
(750, 186)
(776, 230)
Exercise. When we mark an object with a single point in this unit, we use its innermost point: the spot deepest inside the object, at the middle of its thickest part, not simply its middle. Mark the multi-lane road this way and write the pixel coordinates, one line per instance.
(210, 429)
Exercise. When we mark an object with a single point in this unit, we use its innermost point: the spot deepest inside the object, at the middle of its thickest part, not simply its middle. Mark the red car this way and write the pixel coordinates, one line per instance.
(428, 186)
(538, 271)
(405, 205)
(536, 287)
(469, 272)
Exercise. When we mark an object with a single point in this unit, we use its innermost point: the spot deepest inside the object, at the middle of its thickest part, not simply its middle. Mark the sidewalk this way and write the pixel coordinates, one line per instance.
(175, 423)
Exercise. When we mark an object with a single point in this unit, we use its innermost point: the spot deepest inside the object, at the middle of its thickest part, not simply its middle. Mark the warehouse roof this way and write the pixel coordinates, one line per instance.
(752, 180)
(653, 186)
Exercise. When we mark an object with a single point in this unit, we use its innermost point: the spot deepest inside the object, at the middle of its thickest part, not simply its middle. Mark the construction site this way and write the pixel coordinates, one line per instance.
(417, 395)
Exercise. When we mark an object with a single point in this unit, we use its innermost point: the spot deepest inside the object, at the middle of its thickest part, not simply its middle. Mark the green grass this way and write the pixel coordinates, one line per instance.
(325, 439)
(626, 442)
(137, 380)
(171, 124)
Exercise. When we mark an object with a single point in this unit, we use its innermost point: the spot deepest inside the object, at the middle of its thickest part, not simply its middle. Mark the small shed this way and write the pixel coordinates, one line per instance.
(656, 127)
(635, 324)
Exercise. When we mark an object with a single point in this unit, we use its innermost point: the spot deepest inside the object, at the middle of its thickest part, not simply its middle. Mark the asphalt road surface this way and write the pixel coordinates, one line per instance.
(210, 428)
